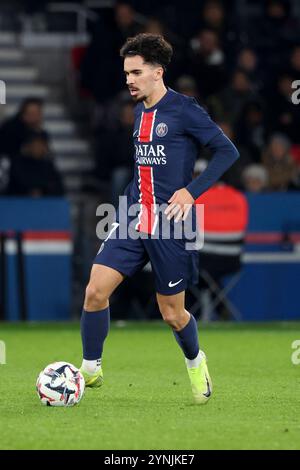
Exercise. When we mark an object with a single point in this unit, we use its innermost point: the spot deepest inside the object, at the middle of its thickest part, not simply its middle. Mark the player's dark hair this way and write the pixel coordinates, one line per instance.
(152, 47)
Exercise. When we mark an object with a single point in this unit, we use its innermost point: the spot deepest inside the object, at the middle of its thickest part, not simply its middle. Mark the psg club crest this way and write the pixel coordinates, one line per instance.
(161, 129)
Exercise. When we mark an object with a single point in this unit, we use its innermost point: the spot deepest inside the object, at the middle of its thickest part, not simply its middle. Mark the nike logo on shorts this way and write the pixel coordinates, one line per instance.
(173, 284)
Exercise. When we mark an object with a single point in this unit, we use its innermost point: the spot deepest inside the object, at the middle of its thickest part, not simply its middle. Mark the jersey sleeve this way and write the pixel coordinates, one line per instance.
(198, 123)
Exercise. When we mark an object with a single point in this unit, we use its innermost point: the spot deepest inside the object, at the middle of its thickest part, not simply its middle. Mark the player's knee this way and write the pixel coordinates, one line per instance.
(173, 315)
(169, 314)
(95, 298)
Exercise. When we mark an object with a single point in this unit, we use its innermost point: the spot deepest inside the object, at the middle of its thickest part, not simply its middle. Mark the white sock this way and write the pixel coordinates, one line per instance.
(91, 367)
(191, 363)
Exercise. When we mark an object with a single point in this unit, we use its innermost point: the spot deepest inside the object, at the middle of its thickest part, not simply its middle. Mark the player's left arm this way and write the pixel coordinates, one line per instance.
(224, 153)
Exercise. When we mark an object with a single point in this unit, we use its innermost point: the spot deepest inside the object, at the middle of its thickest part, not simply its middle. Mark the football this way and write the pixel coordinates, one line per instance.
(60, 384)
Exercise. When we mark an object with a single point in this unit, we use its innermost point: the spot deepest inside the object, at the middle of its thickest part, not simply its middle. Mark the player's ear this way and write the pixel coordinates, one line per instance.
(159, 73)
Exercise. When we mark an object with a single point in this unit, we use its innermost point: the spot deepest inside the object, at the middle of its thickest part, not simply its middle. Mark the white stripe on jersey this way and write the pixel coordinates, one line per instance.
(154, 204)
(153, 121)
(140, 200)
(141, 121)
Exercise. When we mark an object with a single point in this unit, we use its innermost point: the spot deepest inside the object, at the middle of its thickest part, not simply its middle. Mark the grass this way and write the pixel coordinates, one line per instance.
(146, 400)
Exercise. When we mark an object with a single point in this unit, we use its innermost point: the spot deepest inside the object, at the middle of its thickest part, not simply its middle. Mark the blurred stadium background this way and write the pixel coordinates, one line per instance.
(66, 103)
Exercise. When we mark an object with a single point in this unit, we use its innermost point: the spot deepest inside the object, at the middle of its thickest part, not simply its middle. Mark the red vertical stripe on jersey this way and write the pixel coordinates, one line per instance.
(147, 122)
(147, 216)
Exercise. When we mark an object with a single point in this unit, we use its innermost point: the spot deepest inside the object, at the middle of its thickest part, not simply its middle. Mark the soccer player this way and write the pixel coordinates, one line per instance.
(168, 127)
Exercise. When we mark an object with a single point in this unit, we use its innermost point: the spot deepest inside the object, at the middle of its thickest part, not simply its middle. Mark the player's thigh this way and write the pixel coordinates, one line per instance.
(172, 266)
(103, 281)
(124, 255)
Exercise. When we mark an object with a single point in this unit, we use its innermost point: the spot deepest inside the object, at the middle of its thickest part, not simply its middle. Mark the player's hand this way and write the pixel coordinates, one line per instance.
(180, 205)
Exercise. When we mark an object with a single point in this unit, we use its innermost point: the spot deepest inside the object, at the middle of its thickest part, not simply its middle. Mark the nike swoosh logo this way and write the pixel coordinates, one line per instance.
(135, 133)
(208, 393)
(171, 284)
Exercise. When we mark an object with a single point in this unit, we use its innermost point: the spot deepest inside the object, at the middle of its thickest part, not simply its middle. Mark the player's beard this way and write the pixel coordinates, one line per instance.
(139, 99)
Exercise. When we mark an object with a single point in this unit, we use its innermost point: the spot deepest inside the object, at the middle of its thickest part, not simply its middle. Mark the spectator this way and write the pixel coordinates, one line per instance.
(215, 17)
(248, 62)
(282, 171)
(250, 129)
(294, 65)
(207, 62)
(115, 162)
(101, 68)
(187, 85)
(233, 175)
(274, 32)
(228, 104)
(16, 130)
(32, 173)
(255, 178)
(155, 26)
(4, 174)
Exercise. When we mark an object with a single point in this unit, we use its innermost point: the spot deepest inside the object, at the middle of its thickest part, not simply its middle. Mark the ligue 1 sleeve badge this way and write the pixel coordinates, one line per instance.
(161, 129)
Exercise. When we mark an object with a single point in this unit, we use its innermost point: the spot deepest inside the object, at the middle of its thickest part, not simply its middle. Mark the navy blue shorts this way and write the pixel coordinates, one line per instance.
(173, 266)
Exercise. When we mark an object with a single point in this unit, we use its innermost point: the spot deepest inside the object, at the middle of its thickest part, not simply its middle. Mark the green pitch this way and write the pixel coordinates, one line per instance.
(146, 401)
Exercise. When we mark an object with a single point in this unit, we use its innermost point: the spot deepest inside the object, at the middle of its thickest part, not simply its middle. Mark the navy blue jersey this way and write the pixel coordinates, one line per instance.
(166, 140)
